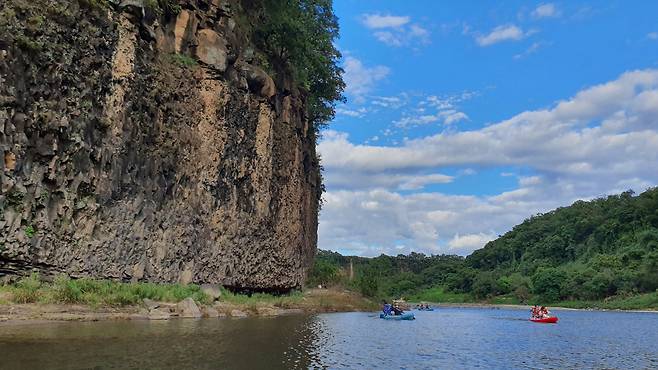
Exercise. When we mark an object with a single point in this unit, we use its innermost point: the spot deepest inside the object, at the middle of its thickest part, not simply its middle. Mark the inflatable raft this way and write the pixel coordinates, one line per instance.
(546, 320)
(404, 316)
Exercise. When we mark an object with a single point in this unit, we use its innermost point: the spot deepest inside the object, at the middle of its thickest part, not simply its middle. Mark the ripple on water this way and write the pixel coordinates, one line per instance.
(446, 338)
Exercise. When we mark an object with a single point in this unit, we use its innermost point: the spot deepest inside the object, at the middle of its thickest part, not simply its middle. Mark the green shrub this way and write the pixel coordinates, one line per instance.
(547, 283)
(26, 289)
(29, 231)
(183, 60)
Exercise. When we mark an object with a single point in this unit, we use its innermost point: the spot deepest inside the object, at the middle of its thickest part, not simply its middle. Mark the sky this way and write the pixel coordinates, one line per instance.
(465, 118)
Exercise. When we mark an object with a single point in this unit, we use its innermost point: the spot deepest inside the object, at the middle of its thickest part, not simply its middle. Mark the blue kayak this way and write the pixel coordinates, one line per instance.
(404, 316)
(425, 309)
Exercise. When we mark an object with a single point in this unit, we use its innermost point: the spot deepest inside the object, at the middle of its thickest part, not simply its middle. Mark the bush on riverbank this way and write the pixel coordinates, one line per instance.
(254, 300)
(64, 290)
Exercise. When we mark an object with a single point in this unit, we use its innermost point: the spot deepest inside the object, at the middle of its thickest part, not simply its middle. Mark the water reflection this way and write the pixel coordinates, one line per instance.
(447, 338)
(286, 342)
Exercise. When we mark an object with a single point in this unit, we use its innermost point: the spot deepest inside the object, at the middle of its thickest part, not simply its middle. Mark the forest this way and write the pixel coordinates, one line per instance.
(604, 250)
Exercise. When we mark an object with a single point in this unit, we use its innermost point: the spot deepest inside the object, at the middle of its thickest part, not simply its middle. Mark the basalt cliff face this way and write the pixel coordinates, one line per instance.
(141, 141)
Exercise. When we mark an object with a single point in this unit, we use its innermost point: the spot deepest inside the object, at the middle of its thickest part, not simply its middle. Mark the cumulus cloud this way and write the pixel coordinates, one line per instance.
(546, 11)
(502, 33)
(395, 30)
(601, 141)
(359, 79)
(375, 21)
(464, 244)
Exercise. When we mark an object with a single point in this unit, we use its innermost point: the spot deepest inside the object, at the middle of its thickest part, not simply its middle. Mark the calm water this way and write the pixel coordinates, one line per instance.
(446, 338)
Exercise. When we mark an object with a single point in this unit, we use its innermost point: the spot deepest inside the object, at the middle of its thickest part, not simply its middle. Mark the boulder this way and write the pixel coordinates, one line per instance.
(159, 314)
(150, 304)
(210, 312)
(211, 49)
(212, 290)
(258, 80)
(187, 308)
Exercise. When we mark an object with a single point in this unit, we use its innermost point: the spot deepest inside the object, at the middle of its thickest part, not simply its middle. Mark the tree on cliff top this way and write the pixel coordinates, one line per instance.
(297, 37)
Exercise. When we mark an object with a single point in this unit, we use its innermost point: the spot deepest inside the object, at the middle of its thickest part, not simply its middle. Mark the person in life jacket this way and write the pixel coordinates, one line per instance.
(387, 308)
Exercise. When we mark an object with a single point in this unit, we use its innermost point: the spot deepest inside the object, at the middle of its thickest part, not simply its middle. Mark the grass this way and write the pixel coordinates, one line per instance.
(311, 300)
(255, 300)
(439, 295)
(505, 300)
(64, 290)
(183, 60)
(638, 302)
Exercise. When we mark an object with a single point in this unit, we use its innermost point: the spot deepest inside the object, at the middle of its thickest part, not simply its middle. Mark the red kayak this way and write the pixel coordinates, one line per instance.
(546, 320)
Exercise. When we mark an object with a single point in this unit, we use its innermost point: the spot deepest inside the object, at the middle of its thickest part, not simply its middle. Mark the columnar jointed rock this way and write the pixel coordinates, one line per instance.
(123, 160)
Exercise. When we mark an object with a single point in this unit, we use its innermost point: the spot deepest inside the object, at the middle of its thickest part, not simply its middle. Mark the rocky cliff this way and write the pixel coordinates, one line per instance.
(142, 141)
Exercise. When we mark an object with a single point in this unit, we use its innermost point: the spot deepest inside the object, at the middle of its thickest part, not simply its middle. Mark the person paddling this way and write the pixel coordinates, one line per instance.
(387, 308)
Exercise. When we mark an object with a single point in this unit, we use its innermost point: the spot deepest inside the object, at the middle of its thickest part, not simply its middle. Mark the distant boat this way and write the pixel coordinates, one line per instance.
(404, 316)
(545, 320)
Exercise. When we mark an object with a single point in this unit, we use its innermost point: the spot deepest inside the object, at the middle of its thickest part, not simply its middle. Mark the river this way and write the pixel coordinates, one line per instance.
(446, 338)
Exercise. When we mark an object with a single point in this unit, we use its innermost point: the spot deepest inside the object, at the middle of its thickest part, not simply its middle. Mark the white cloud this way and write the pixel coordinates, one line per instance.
(454, 117)
(396, 31)
(652, 35)
(530, 50)
(541, 138)
(413, 121)
(393, 102)
(359, 79)
(502, 33)
(445, 110)
(464, 244)
(546, 11)
(419, 182)
(375, 21)
(603, 140)
(356, 113)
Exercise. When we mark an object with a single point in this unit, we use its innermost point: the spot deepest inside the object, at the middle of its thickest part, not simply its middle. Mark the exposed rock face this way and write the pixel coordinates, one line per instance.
(211, 49)
(125, 160)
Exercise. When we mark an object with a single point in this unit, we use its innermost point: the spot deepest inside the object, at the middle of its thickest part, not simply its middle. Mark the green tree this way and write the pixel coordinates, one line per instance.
(298, 38)
(368, 283)
(547, 283)
(323, 272)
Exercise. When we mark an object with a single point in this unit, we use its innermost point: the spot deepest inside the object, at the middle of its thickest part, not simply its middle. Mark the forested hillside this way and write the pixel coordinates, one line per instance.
(605, 249)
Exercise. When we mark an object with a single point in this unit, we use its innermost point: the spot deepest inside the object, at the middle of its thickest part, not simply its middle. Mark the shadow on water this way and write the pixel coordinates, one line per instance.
(285, 342)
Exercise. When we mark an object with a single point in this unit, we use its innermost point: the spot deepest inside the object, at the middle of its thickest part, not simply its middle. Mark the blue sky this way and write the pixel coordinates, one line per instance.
(465, 118)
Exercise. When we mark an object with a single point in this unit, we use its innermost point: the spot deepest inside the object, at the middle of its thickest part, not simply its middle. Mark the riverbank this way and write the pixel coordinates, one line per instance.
(33, 300)
(639, 302)
(527, 307)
